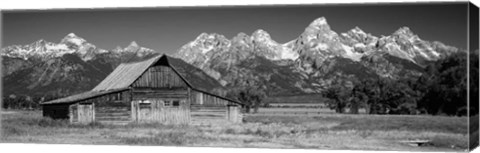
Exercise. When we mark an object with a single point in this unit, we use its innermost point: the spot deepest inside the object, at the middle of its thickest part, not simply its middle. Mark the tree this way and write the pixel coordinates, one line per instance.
(474, 82)
(251, 96)
(358, 97)
(446, 86)
(384, 96)
(372, 89)
(338, 97)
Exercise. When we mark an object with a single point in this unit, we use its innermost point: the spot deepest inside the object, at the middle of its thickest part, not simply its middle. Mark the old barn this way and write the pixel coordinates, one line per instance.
(161, 89)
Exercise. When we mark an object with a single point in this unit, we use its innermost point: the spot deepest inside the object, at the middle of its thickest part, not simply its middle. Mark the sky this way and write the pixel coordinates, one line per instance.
(166, 29)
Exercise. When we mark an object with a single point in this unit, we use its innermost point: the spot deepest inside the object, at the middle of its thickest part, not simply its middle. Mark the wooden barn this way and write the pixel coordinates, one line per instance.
(161, 89)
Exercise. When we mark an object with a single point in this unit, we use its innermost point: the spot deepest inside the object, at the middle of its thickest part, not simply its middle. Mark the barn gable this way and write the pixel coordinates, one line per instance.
(127, 73)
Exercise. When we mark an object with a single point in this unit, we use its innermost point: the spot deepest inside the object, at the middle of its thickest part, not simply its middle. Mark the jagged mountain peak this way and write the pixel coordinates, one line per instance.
(71, 35)
(358, 30)
(318, 30)
(261, 32)
(261, 35)
(205, 43)
(132, 47)
(204, 36)
(133, 44)
(72, 39)
(319, 23)
(40, 42)
(355, 32)
(241, 38)
(241, 34)
(404, 31)
(209, 38)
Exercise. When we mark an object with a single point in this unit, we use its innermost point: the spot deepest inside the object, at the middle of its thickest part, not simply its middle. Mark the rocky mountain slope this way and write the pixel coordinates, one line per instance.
(316, 59)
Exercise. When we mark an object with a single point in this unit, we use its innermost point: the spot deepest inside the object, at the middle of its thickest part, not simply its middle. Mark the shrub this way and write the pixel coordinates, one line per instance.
(174, 138)
(230, 131)
(48, 122)
(364, 133)
(248, 132)
(10, 130)
(279, 133)
(263, 133)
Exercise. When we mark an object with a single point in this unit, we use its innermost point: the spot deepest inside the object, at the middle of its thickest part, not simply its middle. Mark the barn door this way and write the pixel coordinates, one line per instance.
(82, 113)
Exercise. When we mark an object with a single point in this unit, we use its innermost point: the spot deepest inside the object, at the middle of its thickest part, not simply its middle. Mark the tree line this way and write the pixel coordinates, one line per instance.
(440, 90)
(25, 102)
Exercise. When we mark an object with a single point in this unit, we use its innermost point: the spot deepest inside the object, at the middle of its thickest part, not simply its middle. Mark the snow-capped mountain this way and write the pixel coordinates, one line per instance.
(73, 65)
(41, 49)
(70, 44)
(319, 41)
(405, 44)
(133, 48)
(315, 59)
(270, 49)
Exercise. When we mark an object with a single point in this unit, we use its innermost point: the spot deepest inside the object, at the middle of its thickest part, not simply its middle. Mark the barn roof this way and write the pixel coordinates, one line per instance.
(127, 73)
(124, 75)
(82, 96)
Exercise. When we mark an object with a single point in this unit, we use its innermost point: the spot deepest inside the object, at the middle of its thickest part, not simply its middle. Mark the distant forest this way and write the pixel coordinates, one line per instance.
(441, 90)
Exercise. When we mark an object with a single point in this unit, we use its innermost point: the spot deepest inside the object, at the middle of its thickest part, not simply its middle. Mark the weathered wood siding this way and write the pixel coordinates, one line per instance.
(56, 111)
(140, 94)
(200, 98)
(155, 110)
(208, 114)
(109, 107)
(207, 108)
(113, 107)
(159, 77)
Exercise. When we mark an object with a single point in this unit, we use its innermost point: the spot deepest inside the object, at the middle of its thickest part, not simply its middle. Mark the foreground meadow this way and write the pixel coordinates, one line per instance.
(329, 131)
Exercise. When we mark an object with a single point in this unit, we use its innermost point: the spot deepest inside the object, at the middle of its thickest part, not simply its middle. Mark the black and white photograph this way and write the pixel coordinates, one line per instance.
(400, 76)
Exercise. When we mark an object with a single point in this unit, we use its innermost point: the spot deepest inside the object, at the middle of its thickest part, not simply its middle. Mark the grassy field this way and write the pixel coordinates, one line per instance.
(329, 131)
(300, 111)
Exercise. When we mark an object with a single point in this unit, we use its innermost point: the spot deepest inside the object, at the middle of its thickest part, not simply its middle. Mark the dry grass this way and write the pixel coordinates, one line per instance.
(318, 132)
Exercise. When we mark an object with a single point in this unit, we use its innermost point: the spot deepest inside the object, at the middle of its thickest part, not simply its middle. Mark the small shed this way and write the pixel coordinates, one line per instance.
(161, 89)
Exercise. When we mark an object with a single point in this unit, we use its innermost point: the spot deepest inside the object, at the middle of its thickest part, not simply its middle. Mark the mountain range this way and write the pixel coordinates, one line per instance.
(57, 69)
(318, 58)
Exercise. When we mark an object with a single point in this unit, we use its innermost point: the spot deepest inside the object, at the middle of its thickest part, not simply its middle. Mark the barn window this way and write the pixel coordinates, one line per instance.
(118, 96)
(167, 103)
(176, 103)
(145, 104)
(200, 98)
